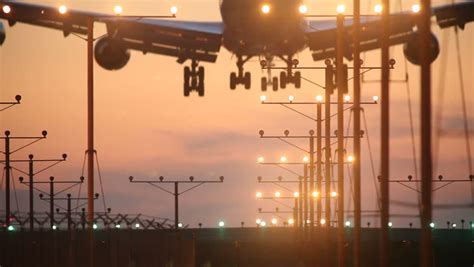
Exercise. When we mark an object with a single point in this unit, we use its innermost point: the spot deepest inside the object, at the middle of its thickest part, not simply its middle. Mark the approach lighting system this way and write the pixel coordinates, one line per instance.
(378, 8)
(6, 9)
(265, 8)
(303, 9)
(62, 9)
(416, 8)
(118, 10)
(341, 9)
(174, 10)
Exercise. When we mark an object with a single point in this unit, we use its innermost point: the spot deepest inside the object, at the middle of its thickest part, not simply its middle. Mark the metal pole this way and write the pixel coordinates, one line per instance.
(426, 160)
(51, 201)
(385, 135)
(295, 212)
(30, 187)
(318, 164)
(7, 178)
(305, 196)
(176, 214)
(340, 139)
(311, 185)
(327, 158)
(90, 136)
(356, 134)
(300, 211)
(69, 221)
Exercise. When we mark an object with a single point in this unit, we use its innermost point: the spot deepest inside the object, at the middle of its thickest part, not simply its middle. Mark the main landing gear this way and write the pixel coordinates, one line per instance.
(286, 77)
(240, 77)
(194, 79)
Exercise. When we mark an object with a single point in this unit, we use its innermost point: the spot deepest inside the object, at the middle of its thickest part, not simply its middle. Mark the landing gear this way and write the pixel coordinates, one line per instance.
(240, 77)
(194, 79)
(286, 77)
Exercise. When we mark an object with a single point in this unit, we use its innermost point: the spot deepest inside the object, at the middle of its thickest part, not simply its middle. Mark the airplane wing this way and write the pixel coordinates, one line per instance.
(181, 39)
(321, 35)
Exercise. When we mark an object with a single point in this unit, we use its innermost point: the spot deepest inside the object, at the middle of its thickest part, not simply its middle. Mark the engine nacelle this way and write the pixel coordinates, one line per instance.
(110, 54)
(2, 33)
(412, 51)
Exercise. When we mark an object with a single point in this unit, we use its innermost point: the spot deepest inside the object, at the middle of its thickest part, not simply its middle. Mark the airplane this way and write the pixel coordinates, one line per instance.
(266, 29)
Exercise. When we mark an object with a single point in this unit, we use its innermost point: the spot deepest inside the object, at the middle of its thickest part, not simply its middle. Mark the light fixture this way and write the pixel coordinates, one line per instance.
(62, 9)
(263, 224)
(303, 9)
(180, 225)
(378, 8)
(341, 9)
(117, 226)
(296, 194)
(258, 221)
(283, 159)
(315, 194)
(291, 98)
(137, 225)
(432, 224)
(6, 9)
(174, 10)
(265, 8)
(11, 228)
(221, 224)
(347, 98)
(259, 194)
(454, 225)
(322, 221)
(333, 194)
(94, 226)
(319, 98)
(375, 98)
(260, 159)
(263, 98)
(291, 221)
(277, 194)
(348, 223)
(118, 10)
(274, 221)
(390, 224)
(416, 8)
(305, 159)
(350, 158)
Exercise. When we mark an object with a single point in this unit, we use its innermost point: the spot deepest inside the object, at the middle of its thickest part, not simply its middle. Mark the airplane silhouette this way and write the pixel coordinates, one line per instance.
(249, 28)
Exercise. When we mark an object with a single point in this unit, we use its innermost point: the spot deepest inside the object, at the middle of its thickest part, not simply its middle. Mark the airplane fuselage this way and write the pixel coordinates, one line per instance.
(249, 31)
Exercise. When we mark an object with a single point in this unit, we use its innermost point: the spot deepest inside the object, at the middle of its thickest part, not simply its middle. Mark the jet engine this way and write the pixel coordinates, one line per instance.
(110, 54)
(2, 33)
(412, 51)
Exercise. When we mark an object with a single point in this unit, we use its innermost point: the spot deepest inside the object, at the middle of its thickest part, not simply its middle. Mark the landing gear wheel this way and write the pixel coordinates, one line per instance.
(187, 75)
(275, 84)
(247, 80)
(264, 83)
(298, 79)
(233, 80)
(283, 79)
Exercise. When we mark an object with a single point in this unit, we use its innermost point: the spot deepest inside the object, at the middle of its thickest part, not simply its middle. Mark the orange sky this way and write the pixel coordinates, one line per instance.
(146, 128)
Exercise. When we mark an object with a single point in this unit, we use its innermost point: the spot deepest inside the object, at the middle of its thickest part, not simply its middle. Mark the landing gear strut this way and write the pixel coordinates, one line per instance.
(286, 77)
(240, 77)
(194, 79)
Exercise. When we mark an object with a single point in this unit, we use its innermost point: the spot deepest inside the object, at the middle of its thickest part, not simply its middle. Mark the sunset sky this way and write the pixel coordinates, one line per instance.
(146, 128)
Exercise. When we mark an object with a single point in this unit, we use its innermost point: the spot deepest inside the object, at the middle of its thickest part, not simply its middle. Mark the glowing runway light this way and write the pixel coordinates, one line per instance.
(319, 98)
(174, 10)
(291, 221)
(296, 194)
(94, 226)
(62, 9)
(118, 10)
(221, 224)
(303, 9)
(263, 98)
(283, 159)
(348, 223)
(265, 8)
(347, 98)
(415, 8)
(323, 221)
(260, 159)
(277, 194)
(274, 221)
(375, 98)
(341, 9)
(378, 8)
(259, 194)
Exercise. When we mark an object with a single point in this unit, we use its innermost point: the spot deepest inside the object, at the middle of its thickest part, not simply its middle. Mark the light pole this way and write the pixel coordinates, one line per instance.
(31, 173)
(176, 193)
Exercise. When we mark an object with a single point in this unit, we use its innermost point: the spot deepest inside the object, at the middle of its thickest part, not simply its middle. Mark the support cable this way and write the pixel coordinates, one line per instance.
(100, 181)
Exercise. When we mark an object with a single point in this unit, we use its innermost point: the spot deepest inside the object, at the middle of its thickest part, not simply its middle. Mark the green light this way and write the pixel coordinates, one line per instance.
(11, 228)
(221, 224)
